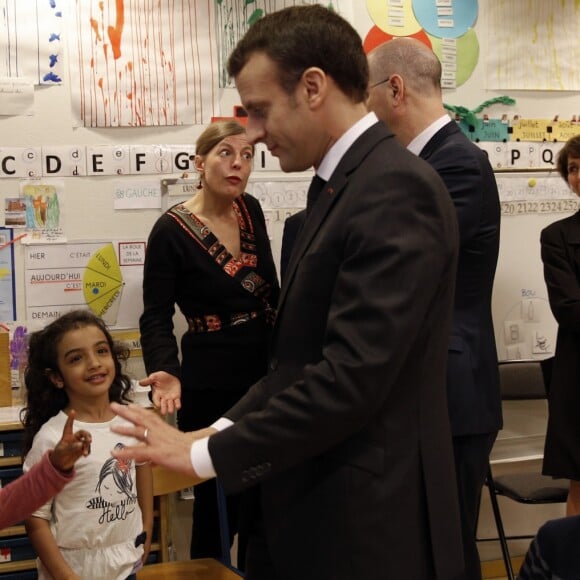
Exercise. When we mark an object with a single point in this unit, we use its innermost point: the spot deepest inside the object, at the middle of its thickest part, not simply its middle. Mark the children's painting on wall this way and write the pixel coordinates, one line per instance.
(44, 212)
(139, 63)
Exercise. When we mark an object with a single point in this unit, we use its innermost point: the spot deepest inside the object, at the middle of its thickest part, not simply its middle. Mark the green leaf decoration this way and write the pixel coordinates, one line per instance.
(255, 16)
(469, 115)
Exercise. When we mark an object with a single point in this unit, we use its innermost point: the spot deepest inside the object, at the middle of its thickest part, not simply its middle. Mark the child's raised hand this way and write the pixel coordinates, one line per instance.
(71, 446)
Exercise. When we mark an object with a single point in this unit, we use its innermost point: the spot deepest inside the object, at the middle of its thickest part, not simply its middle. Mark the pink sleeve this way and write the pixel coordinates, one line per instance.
(30, 491)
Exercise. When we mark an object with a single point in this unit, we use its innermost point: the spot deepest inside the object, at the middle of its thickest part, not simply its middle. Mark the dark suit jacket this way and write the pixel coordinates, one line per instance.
(561, 257)
(554, 551)
(292, 227)
(472, 377)
(348, 434)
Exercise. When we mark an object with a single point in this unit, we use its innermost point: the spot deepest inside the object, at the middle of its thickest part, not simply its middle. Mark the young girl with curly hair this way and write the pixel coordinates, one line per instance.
(100, 525)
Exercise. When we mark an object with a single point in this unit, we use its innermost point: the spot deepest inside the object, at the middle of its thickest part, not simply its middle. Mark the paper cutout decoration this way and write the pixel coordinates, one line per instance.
(530, 130)
(375, 37)
(457, 48)
(394, 17)
(466, 54)
(450, 21)
(564, 130)
(103, 284)
(486, 130)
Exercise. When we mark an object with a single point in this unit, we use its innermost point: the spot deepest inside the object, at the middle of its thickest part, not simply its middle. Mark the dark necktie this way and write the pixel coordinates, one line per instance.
(314, 190)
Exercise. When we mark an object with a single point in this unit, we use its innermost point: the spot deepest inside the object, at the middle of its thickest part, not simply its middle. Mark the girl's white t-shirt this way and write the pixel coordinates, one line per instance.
(96, 518)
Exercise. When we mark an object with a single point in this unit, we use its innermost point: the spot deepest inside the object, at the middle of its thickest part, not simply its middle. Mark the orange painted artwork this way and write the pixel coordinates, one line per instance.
(137, 63)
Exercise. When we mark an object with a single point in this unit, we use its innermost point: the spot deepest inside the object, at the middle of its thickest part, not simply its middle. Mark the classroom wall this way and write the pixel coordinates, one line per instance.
(89, 209)
(519, 278)
(90, 215)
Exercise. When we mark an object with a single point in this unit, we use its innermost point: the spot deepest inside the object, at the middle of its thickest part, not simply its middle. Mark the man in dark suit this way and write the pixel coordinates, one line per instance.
(405, 92)
(347, 437)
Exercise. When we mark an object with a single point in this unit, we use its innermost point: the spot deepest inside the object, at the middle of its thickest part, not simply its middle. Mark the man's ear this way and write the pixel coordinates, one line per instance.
(396, 87)
(315, 82)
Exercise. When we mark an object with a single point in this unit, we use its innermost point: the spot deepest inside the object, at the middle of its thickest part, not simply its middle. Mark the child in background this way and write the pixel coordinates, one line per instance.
(99, 526)
(56, 468)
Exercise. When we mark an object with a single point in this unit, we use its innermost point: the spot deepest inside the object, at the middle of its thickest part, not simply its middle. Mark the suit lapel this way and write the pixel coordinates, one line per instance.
(435, 142)
(330, 195)
(314, 221)
(574, 230)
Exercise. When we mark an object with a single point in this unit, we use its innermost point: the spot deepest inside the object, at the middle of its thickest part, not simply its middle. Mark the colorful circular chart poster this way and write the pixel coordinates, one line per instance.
(467, 54)
(395, 17)
(443, 25)
(445, 19)
(376, 37)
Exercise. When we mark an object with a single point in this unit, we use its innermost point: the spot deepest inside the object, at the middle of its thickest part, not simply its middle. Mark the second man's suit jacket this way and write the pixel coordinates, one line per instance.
(348, 434)
(472, 377)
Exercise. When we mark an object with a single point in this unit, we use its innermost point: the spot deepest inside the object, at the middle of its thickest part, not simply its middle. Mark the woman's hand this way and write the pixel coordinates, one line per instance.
(166, 390)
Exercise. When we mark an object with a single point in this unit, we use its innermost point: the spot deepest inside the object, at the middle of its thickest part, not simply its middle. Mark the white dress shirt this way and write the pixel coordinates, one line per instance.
(417, 144)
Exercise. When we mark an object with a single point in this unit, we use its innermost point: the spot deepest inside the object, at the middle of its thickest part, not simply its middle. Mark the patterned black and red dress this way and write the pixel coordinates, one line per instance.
(229, 304)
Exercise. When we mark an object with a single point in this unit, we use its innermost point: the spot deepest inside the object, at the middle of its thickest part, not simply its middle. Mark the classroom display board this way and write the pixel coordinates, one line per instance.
(83, 160)
(105, 277)
(523, 323)
(101, 104)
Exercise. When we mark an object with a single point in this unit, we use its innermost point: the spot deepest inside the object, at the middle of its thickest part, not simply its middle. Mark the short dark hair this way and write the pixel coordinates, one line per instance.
(570, 149)
(299, 37)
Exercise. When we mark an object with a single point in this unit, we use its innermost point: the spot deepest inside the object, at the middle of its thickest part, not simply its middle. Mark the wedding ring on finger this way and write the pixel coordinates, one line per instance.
(145, 433)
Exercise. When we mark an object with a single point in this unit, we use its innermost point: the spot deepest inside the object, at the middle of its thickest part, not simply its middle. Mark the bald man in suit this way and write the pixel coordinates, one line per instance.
(405, 93)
